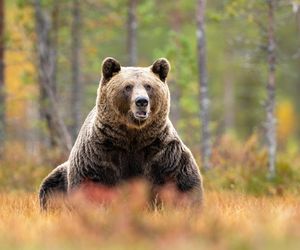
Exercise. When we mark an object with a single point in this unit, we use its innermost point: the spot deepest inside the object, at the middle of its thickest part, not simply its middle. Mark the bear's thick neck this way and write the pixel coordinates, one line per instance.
(127, 136)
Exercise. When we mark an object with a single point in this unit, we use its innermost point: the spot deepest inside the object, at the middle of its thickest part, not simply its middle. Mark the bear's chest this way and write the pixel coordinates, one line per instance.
(131, 161)
(132, 164)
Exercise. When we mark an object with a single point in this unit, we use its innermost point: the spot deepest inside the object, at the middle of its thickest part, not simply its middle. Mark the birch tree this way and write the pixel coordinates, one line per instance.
(270, 103)
(203, 86)
(132, 33)
(2, 95)
(76, 97)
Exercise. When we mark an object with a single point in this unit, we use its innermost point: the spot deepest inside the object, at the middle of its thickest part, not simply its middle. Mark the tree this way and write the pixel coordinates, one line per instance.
(76, 98)
(204, 99)
(59, 134)
(270, 103)
(132, 33)
(2, 94)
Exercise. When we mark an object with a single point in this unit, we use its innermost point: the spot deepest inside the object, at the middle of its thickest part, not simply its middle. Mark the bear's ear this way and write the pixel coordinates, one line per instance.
(161, 67)
(110, 67)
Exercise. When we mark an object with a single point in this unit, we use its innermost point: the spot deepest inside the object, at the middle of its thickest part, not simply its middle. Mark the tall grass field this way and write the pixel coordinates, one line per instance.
(228, 220)
(243, 209)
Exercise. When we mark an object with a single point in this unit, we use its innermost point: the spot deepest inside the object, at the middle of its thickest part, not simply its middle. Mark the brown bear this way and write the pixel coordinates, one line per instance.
(127, 135)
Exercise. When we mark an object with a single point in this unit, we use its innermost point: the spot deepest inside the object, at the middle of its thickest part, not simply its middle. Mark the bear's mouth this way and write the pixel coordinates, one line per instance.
(141, 115)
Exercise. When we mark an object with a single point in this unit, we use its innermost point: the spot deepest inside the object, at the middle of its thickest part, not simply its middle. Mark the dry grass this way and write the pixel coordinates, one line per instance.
(243, 209)
(228, 221)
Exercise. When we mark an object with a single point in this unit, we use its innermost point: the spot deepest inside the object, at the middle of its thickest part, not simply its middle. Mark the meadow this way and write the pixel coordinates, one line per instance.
(243, 209)
(229, 220)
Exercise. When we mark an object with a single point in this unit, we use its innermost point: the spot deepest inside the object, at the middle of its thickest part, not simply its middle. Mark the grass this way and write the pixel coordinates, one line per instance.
(229, 220)
(243, 208)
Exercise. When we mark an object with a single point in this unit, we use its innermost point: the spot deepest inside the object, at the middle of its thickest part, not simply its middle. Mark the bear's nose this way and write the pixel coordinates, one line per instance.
(141, 101)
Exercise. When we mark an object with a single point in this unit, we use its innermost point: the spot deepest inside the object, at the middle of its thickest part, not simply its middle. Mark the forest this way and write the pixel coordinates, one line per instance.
(234, 79)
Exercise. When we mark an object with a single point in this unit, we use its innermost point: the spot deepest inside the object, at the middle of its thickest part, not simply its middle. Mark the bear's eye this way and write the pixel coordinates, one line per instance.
(128, 88)
(148, 87)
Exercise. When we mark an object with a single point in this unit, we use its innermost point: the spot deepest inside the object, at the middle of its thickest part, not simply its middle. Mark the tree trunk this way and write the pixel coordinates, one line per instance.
(58, 131)
(45, 109)
(204, 99)
(2, 91)
(132, 33)
(76, 98)
(54, 42)
(270, 103)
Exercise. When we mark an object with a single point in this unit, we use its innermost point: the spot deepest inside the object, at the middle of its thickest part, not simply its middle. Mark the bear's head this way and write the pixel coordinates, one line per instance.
(134, 96)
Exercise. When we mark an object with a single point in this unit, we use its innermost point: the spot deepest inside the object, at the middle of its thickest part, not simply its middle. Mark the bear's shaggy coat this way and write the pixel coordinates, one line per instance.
(114, 145)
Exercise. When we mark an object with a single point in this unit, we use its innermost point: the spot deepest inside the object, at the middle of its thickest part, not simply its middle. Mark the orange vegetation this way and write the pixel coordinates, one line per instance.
(228, 220)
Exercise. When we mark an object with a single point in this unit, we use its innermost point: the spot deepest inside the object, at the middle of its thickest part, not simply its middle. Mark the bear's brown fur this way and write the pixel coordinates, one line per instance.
(128, 134)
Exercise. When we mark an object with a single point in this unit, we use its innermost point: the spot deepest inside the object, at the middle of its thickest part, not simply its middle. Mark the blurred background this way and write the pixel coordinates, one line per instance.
(50, 65)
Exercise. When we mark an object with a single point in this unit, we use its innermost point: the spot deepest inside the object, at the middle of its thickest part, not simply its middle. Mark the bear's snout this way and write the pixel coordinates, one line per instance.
(141, 107)
(142, 101)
